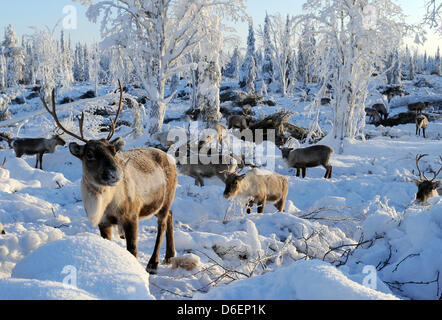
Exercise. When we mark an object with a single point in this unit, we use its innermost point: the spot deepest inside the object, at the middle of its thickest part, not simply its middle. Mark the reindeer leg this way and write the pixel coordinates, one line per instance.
(170, 244)
(304, 172)
(36, 161)
(41, 160)
(261, 205)
(280, 205)
(105, 231)
(250, 207)
(298, 172)
(130, 228)
(154, 259)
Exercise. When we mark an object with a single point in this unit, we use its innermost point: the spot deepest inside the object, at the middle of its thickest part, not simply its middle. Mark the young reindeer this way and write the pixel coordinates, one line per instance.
(119, 188)
(258, 186)
(37, 146)
(426, 188)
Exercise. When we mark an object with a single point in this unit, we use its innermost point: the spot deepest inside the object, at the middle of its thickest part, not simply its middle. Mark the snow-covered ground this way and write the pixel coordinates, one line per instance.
(358, 235)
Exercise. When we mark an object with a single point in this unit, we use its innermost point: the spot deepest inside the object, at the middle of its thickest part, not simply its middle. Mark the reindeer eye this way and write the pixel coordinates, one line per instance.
(90, 155)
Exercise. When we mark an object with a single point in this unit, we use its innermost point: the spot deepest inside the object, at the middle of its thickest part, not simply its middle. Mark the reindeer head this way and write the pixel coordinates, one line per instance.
(426, 188)
(100, 165)
(58, 140)
(233, 184)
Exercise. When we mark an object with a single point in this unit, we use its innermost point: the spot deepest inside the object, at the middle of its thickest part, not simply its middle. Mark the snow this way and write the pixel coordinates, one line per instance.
(100, 268)
(303, 280)
(274, 255)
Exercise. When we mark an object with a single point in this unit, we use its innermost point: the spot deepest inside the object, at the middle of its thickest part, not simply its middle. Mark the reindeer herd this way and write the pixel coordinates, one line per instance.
(120, 188)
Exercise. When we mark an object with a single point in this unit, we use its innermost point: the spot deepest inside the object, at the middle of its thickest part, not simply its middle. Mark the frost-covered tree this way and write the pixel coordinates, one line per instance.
(306, 53)
(66, 61)
(250, 54)
(2, 72)
(433, 14)
(78, 63)
(209, 69)
(14, 56)
(156, 35)
(281, 41)
(94, 66)
(251, 77)
(412, 67)
(267, 64)
(437, 63)
(231, 70)
(353, 36)
(49, 68)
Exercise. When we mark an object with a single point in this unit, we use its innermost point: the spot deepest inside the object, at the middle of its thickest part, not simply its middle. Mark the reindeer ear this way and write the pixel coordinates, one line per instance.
(241, 177)
(118, 144)
(76, 149)
(438, 184)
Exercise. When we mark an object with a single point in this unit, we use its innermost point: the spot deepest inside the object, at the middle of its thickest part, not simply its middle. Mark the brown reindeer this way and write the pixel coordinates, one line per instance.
(119, 188)
(37, 146)
(426, 188)
(259, 187)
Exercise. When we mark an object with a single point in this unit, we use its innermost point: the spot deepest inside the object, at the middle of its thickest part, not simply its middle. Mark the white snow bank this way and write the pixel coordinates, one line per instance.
(23, 289)
(99, 267)
(408, 257)
(303, 280)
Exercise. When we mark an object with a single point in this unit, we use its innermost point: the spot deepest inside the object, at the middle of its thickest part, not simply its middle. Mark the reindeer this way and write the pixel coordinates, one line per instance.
(381, 109)
(259, 187)
(426, 188)
(37, 146)
(418, 107)
(119, 188)
(421, 123)
(373, 114)
(309, 157)
(238, 122)
(224, 164)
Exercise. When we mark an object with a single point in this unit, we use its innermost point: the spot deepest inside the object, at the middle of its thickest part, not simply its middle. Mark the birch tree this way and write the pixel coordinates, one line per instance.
(156, 35)
(354, 34)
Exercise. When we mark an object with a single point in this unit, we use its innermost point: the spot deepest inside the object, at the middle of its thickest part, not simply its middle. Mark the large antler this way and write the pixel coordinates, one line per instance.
(421, 175)
(437, 173)
(114, 122)
(53, 113)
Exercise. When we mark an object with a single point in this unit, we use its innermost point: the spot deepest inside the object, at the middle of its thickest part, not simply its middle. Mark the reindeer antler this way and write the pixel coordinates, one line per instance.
(421, 174)
(53, 113)
(114, 122)
(437, 173)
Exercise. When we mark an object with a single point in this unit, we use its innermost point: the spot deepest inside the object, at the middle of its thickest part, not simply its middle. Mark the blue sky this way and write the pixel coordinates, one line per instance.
(23, 14)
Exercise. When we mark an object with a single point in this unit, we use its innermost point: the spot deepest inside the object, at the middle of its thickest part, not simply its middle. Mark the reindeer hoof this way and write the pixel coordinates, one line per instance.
(152, 267)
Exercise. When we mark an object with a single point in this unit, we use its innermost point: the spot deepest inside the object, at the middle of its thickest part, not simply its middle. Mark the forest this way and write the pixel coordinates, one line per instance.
(168, 161)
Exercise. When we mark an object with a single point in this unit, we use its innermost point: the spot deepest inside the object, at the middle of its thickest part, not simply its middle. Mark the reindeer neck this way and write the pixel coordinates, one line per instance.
(91, 188)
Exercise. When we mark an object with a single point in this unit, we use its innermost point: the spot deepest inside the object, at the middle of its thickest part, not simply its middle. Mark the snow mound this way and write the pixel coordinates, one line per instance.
(303, 280)
(99, 267)
(407, 256)
(19, 289)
